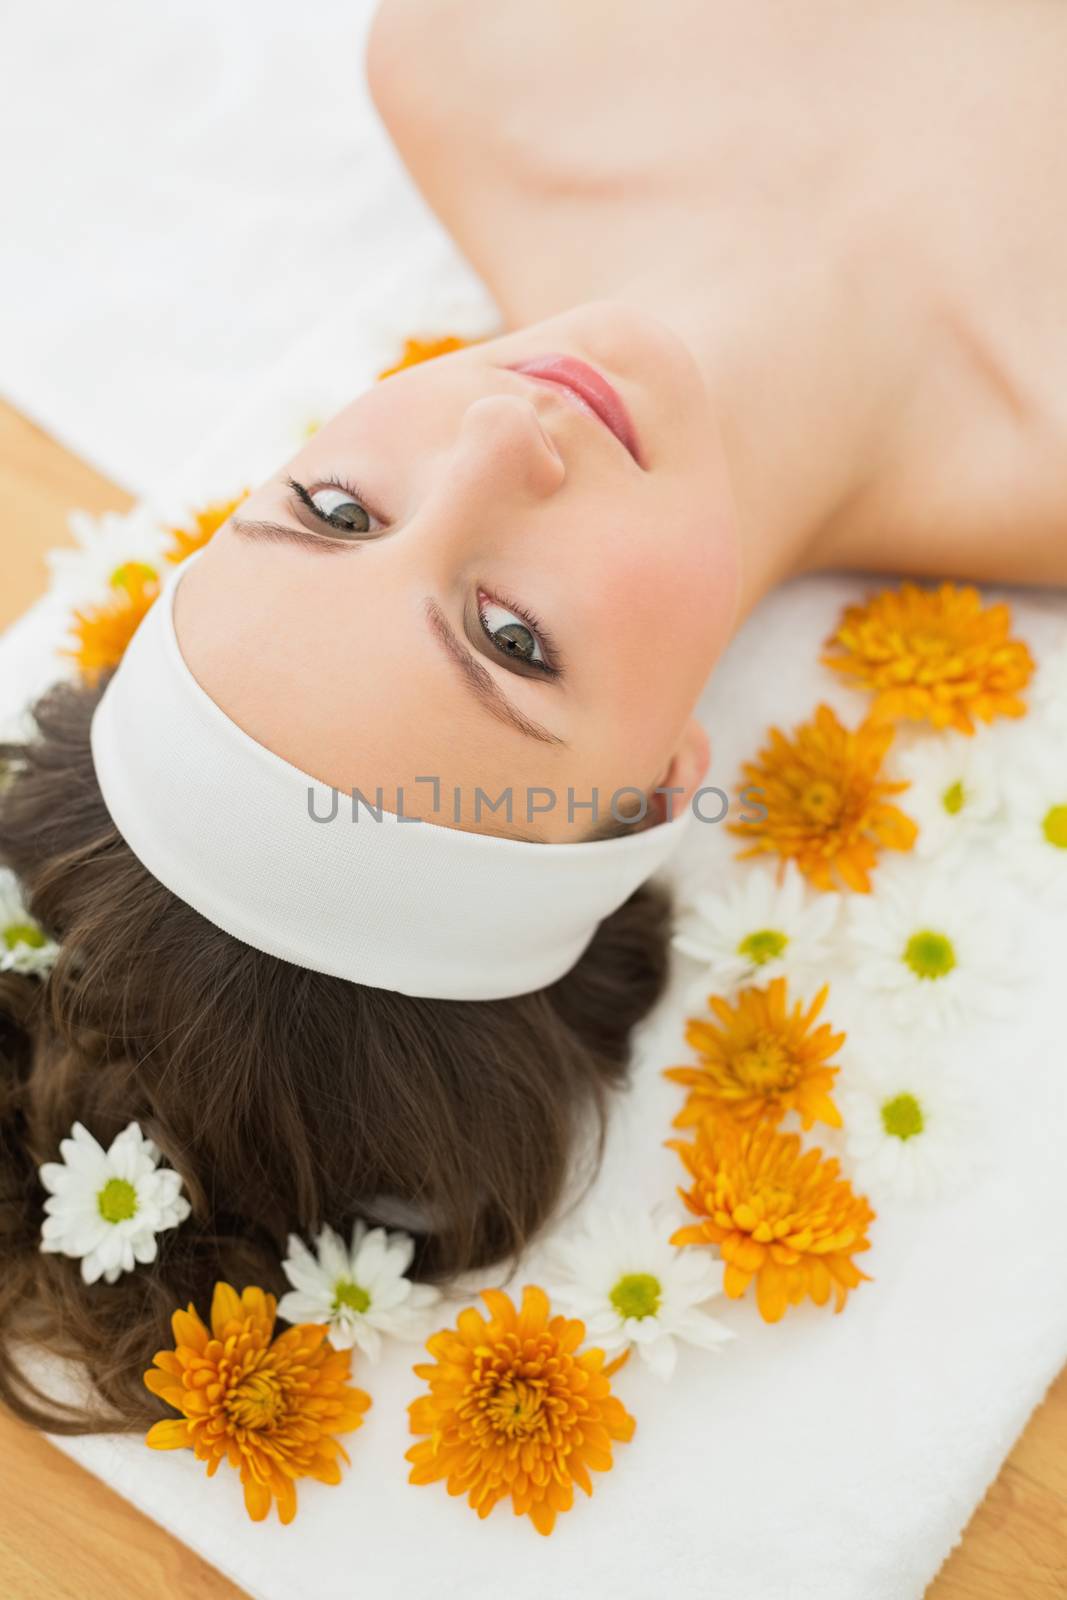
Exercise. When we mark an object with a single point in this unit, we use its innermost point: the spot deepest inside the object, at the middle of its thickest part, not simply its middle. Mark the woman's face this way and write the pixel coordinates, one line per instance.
(503, 597)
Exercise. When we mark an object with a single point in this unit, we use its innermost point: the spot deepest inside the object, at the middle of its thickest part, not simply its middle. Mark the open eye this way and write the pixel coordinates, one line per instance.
(511, 633)
(337, 506)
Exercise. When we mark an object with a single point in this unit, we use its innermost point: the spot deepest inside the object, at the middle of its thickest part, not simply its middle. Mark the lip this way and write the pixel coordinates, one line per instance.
(589, 389)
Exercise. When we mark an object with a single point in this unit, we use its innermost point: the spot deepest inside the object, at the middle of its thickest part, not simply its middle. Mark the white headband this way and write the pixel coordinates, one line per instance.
(401, 904)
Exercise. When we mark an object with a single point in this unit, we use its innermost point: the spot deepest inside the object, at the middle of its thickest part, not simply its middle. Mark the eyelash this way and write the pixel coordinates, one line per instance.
(546, 668)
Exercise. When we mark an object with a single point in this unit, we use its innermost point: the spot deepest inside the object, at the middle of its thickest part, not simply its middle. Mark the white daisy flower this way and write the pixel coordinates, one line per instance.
(631, 1287)
(24, 946)
(931, 949)
(910, 1127)
(1034, 843)
(1049, 693)
(107, 1206)
(306, 408)
(360, 1292)
(18, 727)
(755, 930)
(955, 791)
(106, 549)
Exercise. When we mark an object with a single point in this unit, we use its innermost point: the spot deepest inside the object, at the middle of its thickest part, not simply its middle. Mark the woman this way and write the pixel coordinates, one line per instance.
(780, 296)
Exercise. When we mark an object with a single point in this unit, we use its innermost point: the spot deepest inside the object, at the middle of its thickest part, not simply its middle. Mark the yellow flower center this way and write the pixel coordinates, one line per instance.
(257, 1402)
(352, 1295)
(637, 1295)
(954, 798)
(766, 944)
(117, 1200)
(766, 1064)
(127, 574)
(1054, 826)
(902, 1116)
(29, 933)
(515, 1408)
(929, 955)
(821, 801)
(769, 1200)
(925, 643)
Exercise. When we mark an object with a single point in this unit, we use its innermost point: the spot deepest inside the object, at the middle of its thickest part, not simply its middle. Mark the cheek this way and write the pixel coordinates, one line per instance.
(678, 596)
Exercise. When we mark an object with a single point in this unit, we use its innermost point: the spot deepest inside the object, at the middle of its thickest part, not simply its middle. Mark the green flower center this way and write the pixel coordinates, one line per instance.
(125, 575)
(954, 798)
(766, 944)
(902, 1117)
(1054, 827)
(117, 1200)
(637, 1295)
(17, 933)
(351, 1295)
(929, 955)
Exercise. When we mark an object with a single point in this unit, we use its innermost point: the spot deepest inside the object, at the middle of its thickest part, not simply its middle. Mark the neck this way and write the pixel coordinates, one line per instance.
(795, 383)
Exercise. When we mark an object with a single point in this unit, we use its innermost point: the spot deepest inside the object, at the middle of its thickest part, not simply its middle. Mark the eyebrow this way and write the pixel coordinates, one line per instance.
(481, 681)
(278, 533)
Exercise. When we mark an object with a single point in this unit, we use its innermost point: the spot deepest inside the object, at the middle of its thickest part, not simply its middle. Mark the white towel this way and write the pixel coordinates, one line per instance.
(836, 1457)
(197, 186)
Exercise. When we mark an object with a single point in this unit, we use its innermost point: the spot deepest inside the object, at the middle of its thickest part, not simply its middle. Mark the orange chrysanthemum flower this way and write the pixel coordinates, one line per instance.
(416, 350)
(933, 655)
(763, 1061)
(826, 804)
(206, 523)
(515, 1409)
(101, 633)
(788, 1220)
(271, 1409)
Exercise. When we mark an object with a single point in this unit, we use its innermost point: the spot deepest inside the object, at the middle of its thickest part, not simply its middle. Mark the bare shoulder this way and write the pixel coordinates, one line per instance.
(424, 66)
(545, 98)
(453, 82)
(391, 55)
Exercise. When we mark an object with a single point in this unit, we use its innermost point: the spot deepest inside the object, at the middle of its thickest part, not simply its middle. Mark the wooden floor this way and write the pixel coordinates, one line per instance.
(65, 1536)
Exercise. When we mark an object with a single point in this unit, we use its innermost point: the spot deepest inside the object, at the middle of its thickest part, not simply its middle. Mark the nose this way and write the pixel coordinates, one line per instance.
(504, 441)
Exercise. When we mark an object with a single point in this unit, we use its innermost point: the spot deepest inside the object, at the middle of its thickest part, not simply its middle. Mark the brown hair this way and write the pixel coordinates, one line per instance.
(285, 1098)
